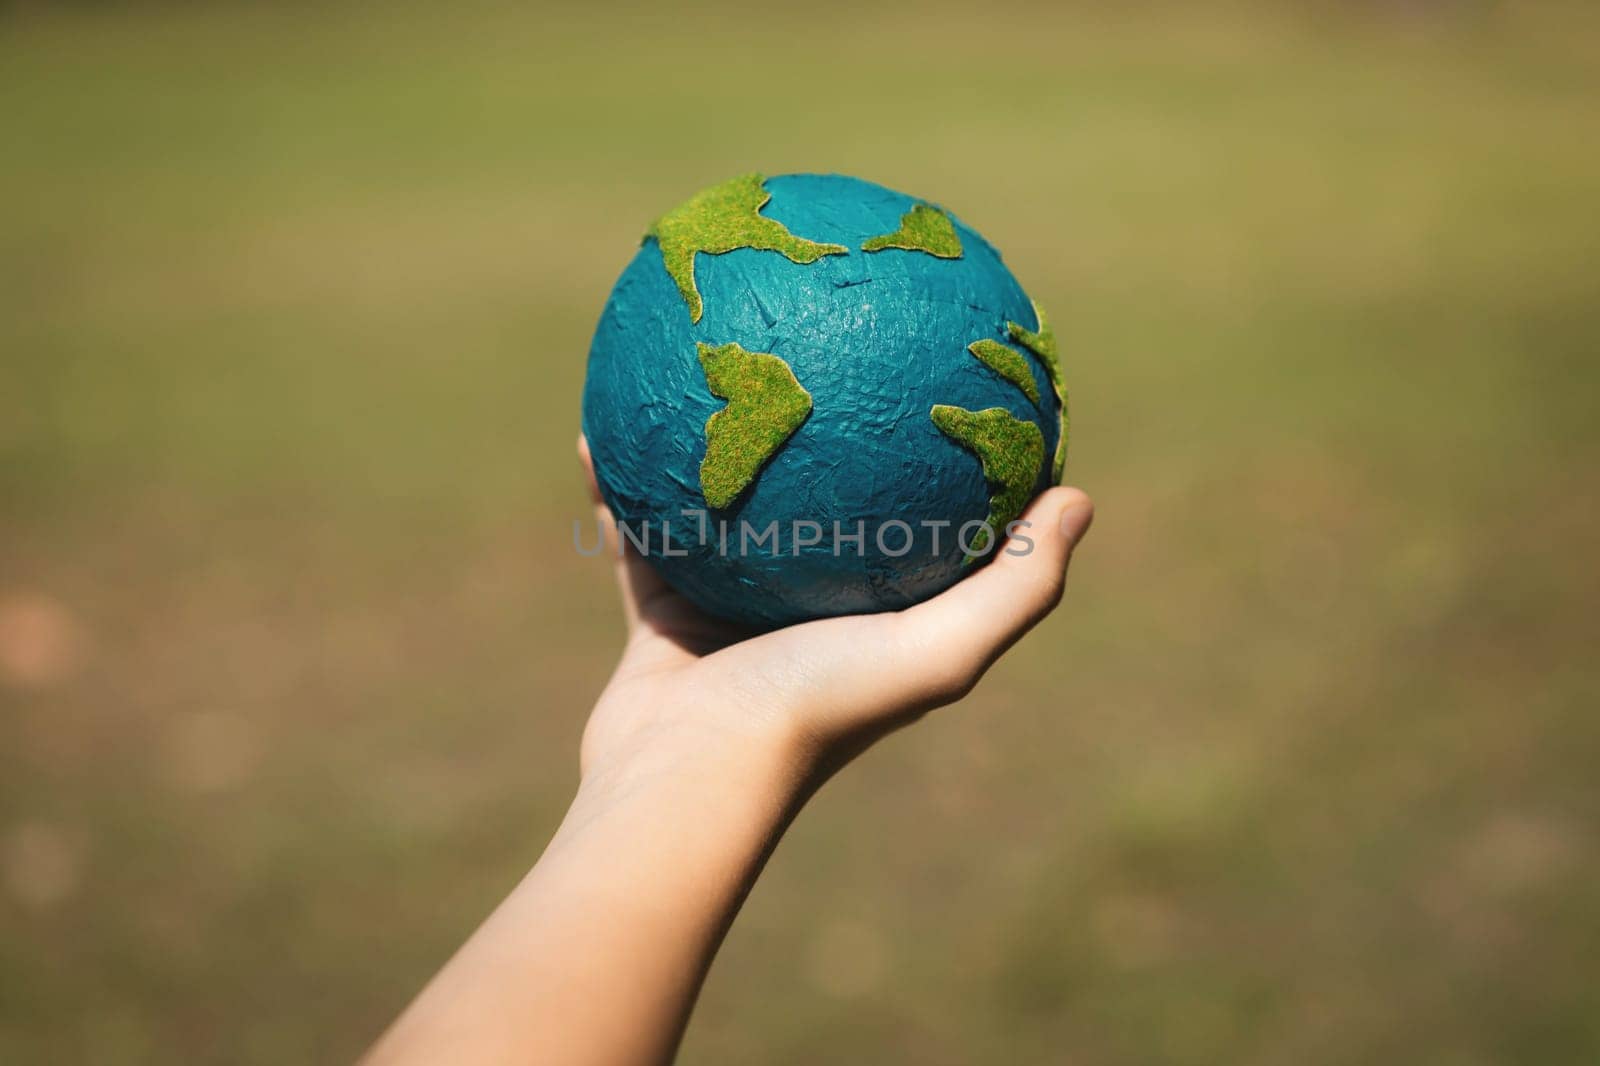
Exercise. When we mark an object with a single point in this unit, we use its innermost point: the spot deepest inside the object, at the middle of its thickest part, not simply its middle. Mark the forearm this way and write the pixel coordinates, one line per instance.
(703, 746)
(597, 955)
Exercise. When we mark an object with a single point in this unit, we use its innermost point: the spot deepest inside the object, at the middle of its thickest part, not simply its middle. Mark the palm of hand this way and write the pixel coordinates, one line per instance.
(828, 687)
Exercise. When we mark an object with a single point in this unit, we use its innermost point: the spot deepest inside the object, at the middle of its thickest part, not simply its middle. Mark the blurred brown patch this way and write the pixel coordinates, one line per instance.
(41, 643)
(43, 863)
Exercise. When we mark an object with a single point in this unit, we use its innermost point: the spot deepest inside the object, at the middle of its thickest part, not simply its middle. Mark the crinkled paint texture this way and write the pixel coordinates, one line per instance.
(877, 339)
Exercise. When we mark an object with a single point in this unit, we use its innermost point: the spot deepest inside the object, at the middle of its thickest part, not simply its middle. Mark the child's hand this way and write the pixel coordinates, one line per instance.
(703, 746)
(817, 693)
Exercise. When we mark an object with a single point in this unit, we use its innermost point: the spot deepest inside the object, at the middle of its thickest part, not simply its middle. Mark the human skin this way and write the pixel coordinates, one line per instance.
(703, 747)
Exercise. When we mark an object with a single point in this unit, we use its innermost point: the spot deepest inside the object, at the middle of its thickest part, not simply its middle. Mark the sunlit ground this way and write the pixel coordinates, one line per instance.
(294, 650)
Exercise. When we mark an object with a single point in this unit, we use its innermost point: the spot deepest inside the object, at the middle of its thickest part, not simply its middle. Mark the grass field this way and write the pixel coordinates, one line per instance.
(294, 652)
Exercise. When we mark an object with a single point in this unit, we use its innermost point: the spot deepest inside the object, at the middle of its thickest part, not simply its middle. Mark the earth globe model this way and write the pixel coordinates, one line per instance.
(811, 395)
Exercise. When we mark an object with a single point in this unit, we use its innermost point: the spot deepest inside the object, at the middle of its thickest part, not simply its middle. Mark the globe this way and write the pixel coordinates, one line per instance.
(810, 395)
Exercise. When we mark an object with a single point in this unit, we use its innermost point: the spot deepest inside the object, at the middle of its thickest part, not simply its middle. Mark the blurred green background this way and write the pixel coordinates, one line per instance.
(295, 651)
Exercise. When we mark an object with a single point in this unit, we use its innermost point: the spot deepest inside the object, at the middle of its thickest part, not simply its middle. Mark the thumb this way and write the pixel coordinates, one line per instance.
(963, 630)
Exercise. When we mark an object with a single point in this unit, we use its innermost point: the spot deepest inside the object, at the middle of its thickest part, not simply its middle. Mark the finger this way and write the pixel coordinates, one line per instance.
(958, 635)
(664, 628)
(865, 674)
(637, 580)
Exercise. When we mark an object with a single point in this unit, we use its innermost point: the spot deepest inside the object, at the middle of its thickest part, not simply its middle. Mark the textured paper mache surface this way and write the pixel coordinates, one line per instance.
(877, 331)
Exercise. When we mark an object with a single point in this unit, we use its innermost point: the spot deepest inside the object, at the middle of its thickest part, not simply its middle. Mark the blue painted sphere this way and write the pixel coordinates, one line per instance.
(877, 339)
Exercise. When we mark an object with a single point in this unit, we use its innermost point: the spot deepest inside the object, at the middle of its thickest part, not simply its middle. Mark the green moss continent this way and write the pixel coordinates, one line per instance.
(1043, 345)
(720, 219)
(766, 404)
(922, 229)
(1011, 451)
(1008, 363)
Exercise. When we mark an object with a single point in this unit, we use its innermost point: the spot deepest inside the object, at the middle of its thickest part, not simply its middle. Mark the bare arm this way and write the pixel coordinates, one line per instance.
(697, 755)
